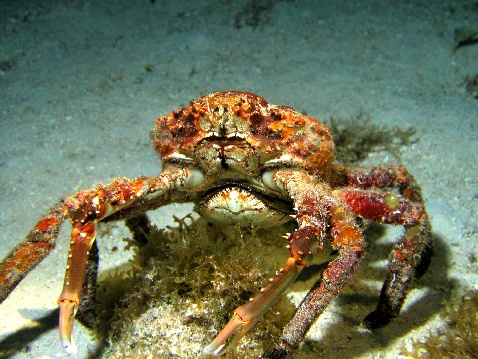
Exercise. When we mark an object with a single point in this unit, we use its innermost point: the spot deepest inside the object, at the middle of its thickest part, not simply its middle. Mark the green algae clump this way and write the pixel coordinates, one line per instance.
(187, 282)
(357, 136)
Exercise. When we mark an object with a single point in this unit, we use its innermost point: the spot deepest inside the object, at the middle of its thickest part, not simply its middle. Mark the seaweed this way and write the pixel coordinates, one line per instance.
(355, 137)
(186, 282)
(457, 339)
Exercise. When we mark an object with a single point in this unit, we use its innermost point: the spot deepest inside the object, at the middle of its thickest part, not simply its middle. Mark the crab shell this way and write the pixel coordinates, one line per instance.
(230, 142)
(242, 132)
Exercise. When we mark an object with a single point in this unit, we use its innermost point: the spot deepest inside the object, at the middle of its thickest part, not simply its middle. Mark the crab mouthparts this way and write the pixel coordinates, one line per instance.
(238, 206)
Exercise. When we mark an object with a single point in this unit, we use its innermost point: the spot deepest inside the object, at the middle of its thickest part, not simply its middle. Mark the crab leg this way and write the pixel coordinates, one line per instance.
(304, 243)
(378, 177)
(408, 260)
(121, 199)
(82, 238)
(399, 202)
(348, 239)
(246, 316)
(26, 255)
(410, 257)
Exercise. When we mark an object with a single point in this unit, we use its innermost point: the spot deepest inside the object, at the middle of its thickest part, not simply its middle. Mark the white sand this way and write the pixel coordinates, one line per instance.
(83, 81)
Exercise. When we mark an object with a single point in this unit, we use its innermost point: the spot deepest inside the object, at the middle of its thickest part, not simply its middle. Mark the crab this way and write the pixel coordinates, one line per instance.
(245, 162)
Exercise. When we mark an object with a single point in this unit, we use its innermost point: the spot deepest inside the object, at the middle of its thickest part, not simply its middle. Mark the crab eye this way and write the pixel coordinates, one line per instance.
(268, 181)
(195, 178)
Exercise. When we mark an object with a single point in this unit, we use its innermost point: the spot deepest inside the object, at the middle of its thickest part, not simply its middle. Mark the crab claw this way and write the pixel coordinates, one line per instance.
(230, 335)
(68, 311)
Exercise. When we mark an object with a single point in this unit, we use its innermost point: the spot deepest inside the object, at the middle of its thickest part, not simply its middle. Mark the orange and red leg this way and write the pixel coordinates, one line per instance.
(348, 240)
(391, 195)
(27, 254)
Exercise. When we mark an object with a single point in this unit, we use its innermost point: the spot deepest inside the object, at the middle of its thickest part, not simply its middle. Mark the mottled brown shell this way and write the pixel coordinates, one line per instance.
(273, 132)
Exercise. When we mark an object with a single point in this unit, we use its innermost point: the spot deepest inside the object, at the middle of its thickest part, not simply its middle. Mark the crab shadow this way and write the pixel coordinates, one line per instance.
(358, 299)
(19, 340)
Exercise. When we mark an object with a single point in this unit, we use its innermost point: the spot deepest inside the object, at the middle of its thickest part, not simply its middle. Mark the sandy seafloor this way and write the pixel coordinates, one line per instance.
(82, 82)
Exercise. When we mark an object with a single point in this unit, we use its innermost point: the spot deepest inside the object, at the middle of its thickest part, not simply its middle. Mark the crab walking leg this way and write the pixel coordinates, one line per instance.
(378, 177)
(246, 316)
(381, 206)
(348, 239)
(408, 260)
(118, 200)
(87, 309)
(82, 238)
(304, 243)
(410, 257)
(26, 255)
